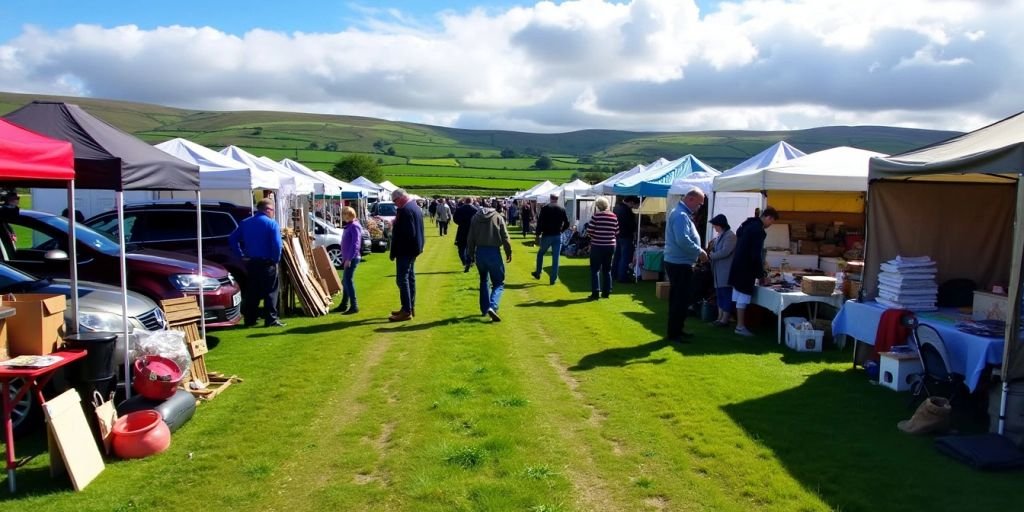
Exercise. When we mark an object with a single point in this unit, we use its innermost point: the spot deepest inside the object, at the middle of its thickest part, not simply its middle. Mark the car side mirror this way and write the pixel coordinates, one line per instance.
(55, 255)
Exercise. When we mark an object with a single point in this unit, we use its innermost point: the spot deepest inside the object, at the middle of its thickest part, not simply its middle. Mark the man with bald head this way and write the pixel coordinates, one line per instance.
(682, 250)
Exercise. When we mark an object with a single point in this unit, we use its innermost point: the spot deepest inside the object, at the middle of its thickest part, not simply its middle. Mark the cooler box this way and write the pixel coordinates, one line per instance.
(802, 340)
(830, 265)
(795, 261)
(38, 324)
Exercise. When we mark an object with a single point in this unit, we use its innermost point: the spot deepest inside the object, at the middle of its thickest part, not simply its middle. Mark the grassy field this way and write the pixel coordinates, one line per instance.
(487, 184)
(566, 405)
(462, 172)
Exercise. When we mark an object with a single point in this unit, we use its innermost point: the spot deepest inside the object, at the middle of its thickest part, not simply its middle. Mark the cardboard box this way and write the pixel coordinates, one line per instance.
(650, 275)
(38, 324)
(830, 265)
(854, 267)
(818, 285)
(854, 290)
(989, 306)
(807, 247)
(661, 289)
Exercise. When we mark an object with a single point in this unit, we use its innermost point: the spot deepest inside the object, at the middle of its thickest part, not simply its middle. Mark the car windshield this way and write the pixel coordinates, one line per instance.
(386, 210)
(84, 234)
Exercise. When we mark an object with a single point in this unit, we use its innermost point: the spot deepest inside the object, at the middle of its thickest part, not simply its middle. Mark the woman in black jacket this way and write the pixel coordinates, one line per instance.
(748, 263)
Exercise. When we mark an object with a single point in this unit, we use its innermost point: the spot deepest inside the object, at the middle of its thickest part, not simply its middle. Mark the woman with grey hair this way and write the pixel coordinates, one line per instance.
(603, 228)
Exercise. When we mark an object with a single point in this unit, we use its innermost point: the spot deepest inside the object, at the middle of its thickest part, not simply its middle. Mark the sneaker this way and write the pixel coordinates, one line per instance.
(494, 315)
(351, 311)
(536, 275)
(593, 296)
(465, 268)
(743, 331)
(275, 323)
(605, 295)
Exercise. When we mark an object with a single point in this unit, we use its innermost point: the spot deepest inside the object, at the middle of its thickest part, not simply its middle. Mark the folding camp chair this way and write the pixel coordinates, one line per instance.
(937, 379)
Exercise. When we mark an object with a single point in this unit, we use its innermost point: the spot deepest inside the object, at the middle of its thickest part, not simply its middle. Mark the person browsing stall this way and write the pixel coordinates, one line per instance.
(603, 228)
(682, 250)
(351, 242)
(257, 240)
(748, 263)
(625, 241)
(720, 253)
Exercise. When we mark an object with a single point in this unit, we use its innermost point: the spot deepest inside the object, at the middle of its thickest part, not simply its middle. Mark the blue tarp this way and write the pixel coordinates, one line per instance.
(656, 181)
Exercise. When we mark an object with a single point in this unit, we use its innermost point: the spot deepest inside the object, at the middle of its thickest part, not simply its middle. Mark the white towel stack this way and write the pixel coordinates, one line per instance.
(908, 283)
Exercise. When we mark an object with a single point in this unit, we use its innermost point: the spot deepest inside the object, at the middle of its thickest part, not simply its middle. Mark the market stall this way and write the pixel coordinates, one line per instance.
(652, 186)
(108, 158)
(221, 177)
(738, 206)
(960, 201)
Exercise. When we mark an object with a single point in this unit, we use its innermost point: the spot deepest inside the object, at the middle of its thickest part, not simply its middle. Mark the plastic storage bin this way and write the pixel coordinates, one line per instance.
(896, 370)
(802, 340)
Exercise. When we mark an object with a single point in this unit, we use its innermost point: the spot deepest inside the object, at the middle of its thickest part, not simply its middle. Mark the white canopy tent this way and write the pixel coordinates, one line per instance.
(738, 206)
(286, 190)
(304, 185)
(841, 169)
(369, 185)
(541, 187)
(221, 176)
(387, 188)
(321, 187)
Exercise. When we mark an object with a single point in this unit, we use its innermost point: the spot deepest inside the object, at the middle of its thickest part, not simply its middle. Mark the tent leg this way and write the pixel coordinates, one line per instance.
(1012, 353)
(199, 247)
(124, 296)
(73, 250)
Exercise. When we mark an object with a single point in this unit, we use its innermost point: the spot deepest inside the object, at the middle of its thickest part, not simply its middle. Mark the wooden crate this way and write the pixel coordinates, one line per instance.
(183, 314)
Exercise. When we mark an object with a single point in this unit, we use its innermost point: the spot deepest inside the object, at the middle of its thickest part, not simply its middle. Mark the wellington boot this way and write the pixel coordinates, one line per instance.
(932, 416)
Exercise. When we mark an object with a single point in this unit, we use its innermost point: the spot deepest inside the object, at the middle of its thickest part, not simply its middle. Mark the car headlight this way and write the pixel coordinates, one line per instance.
(194, 283)
(101, 322)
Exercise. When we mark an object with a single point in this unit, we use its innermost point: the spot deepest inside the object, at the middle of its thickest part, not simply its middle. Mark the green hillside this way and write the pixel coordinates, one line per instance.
(430, 159)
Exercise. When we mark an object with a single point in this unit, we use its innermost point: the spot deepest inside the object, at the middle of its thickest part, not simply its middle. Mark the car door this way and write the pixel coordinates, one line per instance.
(28, 251)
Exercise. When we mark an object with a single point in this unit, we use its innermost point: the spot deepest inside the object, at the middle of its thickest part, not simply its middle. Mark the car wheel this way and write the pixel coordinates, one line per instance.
(334, 253)
(22, 415)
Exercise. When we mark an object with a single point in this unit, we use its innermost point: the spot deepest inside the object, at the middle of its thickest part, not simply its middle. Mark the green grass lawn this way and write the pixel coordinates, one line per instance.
(566, 405)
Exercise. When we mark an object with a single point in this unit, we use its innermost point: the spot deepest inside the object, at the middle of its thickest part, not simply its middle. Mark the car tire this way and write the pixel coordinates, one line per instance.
(26, 412)
(334, 253)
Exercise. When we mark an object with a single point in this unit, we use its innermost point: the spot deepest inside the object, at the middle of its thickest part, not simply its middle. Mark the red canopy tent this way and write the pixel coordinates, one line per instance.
(28, 156)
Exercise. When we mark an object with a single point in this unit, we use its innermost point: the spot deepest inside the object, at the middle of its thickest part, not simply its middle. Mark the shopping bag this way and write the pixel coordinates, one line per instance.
(106, 416)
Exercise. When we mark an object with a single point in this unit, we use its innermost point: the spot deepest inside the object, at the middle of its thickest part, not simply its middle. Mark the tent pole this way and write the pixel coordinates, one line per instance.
(124, 295)
(1011, 352)
(636, 247)
(73, 250)
(199, 244)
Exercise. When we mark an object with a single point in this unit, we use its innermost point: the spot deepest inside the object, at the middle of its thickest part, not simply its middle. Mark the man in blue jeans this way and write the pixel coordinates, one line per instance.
(551, 222)
(406, 244)
(487, 233)
(258, 241)
(682, 250)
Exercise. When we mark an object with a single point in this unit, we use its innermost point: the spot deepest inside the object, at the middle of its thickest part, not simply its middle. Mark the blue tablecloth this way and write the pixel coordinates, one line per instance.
(969, 354)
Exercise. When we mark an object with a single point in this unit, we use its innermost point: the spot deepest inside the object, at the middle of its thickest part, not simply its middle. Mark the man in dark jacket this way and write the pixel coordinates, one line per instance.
(625, 241)
(551, 222)
(462, 216)
(406, 245)
(487, 234)
(748, 263)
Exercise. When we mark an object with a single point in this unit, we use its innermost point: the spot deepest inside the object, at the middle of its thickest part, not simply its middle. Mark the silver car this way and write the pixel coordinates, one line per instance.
(99, 310)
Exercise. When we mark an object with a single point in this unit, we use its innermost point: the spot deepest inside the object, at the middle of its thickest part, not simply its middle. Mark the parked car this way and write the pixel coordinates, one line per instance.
(42, 251)
(99, 310)
(385, 210)
(328, 236)
(171, 226)
(382, 216)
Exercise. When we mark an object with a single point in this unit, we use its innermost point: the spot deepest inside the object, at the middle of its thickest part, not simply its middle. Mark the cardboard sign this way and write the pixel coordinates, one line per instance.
(77, 452)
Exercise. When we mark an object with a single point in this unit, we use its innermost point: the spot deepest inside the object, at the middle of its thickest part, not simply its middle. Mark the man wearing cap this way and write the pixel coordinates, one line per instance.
(682, 250)
(551, 222)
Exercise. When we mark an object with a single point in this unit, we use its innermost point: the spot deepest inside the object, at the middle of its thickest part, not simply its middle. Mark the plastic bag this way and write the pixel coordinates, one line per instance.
(169, 344)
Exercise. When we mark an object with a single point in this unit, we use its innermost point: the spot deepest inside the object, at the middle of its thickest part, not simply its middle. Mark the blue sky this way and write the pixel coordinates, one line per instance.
(547, 66)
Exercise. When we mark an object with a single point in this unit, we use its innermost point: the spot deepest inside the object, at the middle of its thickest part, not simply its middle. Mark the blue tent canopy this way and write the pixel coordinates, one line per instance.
(656, 181)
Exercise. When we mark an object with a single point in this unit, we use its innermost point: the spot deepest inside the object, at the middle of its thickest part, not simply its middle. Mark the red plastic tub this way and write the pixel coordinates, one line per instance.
(140, 434)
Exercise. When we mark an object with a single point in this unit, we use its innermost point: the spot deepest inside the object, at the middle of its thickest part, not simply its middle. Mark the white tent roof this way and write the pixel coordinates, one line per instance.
(365, 183)
(772, 155)
(607, 186)
(841, 169)
(219, 172)
(287, 182)
(543, 186)
(387, 185)
(320, 186)
(303, 184)
(345, 187)
(575, 189)
(700, 179)
(542, 193)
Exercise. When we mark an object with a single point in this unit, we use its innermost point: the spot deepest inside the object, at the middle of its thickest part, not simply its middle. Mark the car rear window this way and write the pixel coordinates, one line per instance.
(217, 224)
(158, 226)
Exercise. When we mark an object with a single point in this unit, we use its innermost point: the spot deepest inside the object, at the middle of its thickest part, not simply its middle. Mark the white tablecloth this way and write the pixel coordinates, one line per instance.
(777, 302)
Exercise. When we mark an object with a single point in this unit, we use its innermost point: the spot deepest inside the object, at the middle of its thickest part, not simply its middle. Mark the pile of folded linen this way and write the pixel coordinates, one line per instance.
(908, 283)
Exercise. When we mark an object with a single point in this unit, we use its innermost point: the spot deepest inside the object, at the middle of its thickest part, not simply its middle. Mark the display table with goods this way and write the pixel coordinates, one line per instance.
(36, 372)
(971, 345)
(777, 298)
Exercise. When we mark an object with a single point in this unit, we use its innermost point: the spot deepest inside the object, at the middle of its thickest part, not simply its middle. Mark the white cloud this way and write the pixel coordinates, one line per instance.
(642, 65)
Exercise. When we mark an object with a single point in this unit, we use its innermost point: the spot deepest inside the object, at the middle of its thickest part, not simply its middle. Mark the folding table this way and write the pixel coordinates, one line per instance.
(35, 380)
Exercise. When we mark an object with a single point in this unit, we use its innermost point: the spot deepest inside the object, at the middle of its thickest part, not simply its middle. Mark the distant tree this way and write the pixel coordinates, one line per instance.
(451, 155)
(380, 161)
(354, 166)
(544, 163)
(586, 159)
(257, 131)
(475, 154)
(391, 150)
(379, 144)
(313, 145)
(508, 153)
(331, 146)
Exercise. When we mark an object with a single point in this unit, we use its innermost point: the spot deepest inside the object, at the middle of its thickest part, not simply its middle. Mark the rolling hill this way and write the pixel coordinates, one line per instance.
(434, 159)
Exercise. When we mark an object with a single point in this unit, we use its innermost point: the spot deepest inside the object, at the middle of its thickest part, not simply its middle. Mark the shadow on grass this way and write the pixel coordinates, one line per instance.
(35, 481)
(520, 286)
(553, 303)
(837, 436)
(622, 356)
(340, 323)
(415, 326)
